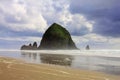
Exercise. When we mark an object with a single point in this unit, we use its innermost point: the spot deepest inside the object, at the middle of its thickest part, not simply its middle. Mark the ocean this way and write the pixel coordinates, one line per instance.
(107, 61)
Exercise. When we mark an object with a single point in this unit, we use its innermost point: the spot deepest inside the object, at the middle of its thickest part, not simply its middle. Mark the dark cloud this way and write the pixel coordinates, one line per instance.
(105, 13)
(6, 32)
(107, 28)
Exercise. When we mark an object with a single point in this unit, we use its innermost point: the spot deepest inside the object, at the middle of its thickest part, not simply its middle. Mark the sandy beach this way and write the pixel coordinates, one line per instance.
(12, 69)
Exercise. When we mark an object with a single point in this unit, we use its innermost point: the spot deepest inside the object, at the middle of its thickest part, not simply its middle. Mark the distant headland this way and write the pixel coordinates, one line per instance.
(55, 37)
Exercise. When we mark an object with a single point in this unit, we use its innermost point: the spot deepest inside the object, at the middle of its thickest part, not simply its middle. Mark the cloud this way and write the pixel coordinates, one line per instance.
(17, 16)
(90, 38)
(95, 41)
(75, 23)
(105, 14)
(107, 28)
(24, 17)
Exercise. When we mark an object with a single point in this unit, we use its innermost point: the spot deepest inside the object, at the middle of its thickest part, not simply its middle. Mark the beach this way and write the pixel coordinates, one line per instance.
(13, 69)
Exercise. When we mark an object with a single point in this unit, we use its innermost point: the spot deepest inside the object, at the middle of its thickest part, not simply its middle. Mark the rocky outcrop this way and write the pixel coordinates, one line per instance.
(55, 37)
(30, 46)
(87, 47)
(34, 46)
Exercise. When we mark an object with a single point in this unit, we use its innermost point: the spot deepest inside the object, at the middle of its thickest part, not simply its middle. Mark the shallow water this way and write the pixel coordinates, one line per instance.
(104, 61)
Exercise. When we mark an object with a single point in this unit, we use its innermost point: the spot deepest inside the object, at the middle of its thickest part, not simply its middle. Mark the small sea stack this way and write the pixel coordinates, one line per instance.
(87, 47)
(30, 46)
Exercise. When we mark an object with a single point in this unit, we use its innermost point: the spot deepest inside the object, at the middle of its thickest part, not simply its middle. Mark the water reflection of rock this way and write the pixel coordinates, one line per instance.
(57, 59)
(31, 57)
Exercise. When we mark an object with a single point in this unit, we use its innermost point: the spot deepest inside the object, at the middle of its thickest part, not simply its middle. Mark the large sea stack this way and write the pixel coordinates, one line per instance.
(55, 37)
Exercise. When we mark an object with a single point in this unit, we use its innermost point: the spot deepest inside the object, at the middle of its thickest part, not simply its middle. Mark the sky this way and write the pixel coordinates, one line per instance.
(95, 23)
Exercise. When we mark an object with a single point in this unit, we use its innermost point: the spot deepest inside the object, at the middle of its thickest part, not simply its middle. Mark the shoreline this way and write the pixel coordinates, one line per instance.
(15, 69)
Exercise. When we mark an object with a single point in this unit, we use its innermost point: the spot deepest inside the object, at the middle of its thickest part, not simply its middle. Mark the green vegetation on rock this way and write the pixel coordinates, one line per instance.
(57, 37)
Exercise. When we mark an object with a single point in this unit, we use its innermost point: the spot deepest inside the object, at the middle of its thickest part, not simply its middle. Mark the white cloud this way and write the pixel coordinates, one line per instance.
(97, 41)
(114, 40)
(90, 38)
(20, 15)
(76, 23)
(94, 40)
(17, 17)
(79, 39)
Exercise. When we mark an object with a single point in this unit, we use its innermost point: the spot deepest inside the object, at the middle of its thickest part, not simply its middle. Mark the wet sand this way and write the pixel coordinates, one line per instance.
(12, 69)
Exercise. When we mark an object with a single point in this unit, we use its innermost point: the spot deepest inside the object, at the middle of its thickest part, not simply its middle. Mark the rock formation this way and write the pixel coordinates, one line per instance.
(87, 47)
(34, 45)
(29, 47)
(55, 37)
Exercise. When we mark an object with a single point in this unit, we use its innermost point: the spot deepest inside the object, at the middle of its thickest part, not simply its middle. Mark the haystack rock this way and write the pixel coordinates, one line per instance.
(57, 37)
